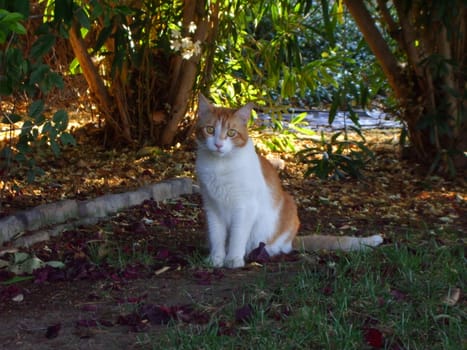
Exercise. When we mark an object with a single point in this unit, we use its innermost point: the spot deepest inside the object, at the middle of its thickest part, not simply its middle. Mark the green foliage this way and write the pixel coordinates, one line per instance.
(10, 22)
(336, 158)
(132, 43)
(284, 134)
(281, 51)
(28, 75)
(299, 54)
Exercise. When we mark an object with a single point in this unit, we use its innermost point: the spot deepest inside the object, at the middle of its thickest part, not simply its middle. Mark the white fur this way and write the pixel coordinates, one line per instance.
(238, 203)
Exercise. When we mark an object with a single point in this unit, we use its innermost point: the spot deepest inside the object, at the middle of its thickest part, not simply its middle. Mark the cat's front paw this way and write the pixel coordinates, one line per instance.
(216, 260)
(233, 263)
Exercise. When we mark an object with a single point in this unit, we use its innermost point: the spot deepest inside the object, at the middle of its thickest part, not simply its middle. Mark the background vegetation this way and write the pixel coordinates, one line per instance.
(144, 61)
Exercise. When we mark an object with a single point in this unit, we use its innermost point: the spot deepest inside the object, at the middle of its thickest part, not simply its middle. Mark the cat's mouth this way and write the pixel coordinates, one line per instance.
(219, 152)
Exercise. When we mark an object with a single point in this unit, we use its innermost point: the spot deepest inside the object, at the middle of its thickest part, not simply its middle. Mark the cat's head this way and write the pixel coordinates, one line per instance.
(222, 130)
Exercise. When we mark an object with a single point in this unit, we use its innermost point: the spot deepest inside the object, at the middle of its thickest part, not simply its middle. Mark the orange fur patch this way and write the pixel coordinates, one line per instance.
(288, 218)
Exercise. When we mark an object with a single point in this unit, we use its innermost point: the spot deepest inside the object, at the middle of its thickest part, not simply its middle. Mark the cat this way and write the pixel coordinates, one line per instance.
(242, 195)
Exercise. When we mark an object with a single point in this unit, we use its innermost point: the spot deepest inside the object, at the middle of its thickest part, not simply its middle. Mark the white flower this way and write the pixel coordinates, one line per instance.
(187, 43)
(186, 54)
(175, 34)
(175, 45)
(197, 47)
(192, 27)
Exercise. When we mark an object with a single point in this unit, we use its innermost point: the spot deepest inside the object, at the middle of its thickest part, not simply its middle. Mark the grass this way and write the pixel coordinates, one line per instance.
(390, 298)
(117, 255)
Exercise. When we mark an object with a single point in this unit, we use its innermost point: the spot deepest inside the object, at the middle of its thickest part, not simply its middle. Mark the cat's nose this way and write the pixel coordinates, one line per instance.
(218, 145)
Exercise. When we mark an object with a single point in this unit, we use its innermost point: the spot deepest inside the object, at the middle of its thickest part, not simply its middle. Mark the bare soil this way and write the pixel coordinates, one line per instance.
(98, 302)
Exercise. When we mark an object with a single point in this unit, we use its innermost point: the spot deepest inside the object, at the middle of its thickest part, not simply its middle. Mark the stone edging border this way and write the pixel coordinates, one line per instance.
(38, 224)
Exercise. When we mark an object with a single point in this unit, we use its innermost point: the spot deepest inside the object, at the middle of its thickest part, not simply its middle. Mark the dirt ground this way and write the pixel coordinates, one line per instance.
(89, 314)
(99, 302)
(103, 307)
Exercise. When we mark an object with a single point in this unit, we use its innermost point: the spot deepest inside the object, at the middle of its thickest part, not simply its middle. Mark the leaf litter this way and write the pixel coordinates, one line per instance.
(143, 257)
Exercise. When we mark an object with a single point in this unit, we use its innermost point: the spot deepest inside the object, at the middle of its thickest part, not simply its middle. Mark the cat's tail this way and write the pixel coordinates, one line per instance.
(344, 243)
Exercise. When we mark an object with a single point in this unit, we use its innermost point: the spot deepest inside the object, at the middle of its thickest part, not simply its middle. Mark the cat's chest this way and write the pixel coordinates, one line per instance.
(230, 178)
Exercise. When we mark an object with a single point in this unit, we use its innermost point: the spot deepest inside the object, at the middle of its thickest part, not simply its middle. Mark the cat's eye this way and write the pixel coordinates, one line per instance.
(231, 132)
(210, 130)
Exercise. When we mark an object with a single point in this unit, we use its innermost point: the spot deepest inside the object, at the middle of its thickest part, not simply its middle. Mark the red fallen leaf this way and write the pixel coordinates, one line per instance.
(259, 254)
(132, 272)
(179, 206)
(89, 307)
(170, 222)
(188, 314)
(52, 331)
(244, 314)
(48, 274)
(93, 296)
(163, 254)
(105, 323)
(10, 292)
(86, 323)
(398, 295)
(327, 290)
(133, 321)
(226, 328)
(138, 228)
(381, 301)
(155, 314)
(280, 313)
(137, 300)
(374, 338)
(5, 275)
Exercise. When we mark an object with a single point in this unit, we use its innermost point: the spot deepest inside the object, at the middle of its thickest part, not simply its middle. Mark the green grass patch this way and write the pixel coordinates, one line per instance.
(391, 298)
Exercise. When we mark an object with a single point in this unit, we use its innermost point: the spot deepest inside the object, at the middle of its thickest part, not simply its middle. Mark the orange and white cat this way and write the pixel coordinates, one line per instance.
(243, 198)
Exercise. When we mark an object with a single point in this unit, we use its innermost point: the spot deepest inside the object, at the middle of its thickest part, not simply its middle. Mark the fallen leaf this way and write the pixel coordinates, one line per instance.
(133, 321)
(244, 313)
(18, 298)
(163, 254)
(259, 254)
(226, 328)
(10, 292)
(52, 331)
(25, 266)
(89, 307)
(86, 323)
(162, 270)
(374, 338)
(398, 295)
(452, 297)
(4, 263)
(155, 314)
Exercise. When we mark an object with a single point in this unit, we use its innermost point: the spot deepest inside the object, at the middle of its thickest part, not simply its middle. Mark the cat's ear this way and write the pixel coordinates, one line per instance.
(204, 106)
(244, 113)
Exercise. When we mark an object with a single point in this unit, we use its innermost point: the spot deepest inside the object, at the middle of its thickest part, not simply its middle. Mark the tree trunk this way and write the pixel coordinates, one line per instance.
(430, 88)
(185, 72)
(95, 83)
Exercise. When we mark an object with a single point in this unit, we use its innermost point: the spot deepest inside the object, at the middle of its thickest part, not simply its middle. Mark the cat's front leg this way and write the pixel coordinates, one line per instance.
(217, 239)
(239, 235)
